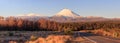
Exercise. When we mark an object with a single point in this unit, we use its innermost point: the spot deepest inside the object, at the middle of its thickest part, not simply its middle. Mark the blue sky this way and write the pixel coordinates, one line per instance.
(104, 8)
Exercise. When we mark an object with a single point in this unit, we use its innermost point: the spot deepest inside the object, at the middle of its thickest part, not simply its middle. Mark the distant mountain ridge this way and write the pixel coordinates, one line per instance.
(65, 15)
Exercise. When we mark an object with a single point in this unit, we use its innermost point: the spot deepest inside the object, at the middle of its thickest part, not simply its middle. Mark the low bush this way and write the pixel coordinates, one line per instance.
(33, 38)
(68, 31)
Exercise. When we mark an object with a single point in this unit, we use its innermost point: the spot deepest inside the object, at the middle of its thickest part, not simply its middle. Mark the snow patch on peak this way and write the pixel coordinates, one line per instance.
(32, 14)
(67, 13)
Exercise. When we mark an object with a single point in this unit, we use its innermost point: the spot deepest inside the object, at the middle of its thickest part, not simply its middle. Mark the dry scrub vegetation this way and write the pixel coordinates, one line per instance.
(45, 37)
(106, 32)
(57, 39)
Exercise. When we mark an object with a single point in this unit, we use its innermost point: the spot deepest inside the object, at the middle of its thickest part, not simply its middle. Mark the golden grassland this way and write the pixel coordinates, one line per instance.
(56, 39)
(49, 37)
(106, 32)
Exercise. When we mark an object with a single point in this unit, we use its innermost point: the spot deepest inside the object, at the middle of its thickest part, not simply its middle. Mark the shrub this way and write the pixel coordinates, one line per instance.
(10, 34)
(33, 38)
(89, 31)
(116, 34)
(68, 31)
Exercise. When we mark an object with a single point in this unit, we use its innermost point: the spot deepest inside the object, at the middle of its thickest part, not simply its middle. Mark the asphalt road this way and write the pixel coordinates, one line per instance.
(96, 38)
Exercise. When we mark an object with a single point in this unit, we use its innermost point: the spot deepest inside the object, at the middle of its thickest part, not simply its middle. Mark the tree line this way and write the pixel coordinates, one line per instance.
(15, 24)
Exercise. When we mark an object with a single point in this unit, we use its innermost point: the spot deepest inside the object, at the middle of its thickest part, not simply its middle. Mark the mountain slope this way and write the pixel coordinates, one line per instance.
(67, 13)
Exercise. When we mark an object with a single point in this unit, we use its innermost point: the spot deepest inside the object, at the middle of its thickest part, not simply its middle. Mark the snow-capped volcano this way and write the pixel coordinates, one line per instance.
(67, 13)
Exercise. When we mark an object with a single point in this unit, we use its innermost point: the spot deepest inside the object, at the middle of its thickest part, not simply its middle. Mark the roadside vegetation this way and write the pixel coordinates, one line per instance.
(105, 32)
(57, 39)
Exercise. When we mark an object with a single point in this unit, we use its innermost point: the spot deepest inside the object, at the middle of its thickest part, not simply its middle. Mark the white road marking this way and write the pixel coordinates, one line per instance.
(90, 40)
